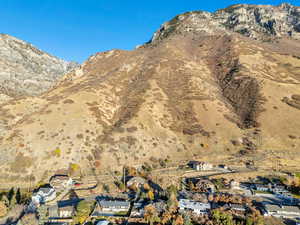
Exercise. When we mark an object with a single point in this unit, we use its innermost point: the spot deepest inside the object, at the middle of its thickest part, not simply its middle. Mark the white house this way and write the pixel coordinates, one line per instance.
(234, 184)
(136, 181)
(43, 195)
(61, 182)
(262, 187)
(194, 206)
(197, 165)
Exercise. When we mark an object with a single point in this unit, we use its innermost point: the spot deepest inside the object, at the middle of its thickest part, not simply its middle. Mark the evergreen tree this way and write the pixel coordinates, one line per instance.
(18, 196)
(12, 197)
(10, 194)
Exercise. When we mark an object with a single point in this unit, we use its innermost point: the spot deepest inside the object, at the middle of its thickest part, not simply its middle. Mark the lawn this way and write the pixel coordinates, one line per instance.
(297, 174)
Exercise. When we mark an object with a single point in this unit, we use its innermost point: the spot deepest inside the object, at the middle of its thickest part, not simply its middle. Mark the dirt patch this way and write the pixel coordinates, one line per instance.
(21, 163)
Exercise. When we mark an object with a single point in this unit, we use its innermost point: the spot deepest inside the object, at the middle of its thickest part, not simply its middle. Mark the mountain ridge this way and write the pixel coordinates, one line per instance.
(205, 94)
(260, 22)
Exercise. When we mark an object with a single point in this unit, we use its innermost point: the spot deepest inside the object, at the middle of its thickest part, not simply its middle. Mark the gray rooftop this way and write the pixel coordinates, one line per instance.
(46, 190)
(103, 203)
(277, 208)
(238, 206)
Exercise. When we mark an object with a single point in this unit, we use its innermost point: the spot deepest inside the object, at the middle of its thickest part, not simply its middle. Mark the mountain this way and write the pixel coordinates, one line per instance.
(26, 70)
(198, 90)
(260, 22)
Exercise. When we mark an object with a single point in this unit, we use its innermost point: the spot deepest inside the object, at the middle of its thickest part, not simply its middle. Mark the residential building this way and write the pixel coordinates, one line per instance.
(262, 187)
(66, 211)
(194, 206)
(103, 222)
(104, 207)
(136, 181)
(281, 211)
(53, 212)
(43, 195)
(57, 213)
(197, 165)
(238, 207)
(205, 185)
(61, 182)
(234, 184)
(279, 189)
(137, 210)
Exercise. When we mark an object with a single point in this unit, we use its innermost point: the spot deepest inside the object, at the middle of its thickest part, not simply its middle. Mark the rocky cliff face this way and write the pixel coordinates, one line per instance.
(26, 70)
(259, 22)
(199, 90)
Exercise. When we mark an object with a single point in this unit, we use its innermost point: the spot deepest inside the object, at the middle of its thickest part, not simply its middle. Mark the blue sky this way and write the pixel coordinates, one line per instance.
(76, 29)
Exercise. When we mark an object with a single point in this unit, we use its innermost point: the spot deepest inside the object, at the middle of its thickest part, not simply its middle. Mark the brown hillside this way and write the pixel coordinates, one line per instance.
(217, 97)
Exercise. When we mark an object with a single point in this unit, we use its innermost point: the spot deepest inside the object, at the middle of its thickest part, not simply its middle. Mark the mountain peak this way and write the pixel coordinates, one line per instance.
(260, 22)
(27, 70)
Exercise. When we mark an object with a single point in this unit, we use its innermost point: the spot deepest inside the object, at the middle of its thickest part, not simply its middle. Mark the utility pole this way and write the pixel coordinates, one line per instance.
(124, 177)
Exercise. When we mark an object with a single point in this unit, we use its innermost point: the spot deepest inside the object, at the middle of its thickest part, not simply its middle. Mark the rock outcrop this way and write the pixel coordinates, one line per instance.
(260, 22)
(26, 70)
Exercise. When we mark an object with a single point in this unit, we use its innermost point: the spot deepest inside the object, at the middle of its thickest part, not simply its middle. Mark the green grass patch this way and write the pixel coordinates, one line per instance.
(297, 174)
(296, 196)
(121, 213)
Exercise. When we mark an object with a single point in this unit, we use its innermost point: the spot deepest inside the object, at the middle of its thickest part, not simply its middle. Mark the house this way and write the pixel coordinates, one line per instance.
(65, 212)
(137, 210)
(234, 184)
(204, 185)
(279, 189)
(262, 187)
(197, 165)
(103, 222)
(43, 195)
(223, 206)
(111, 208)
(53, 212)
(238, 208)
(281, 211)
(61, 182)
(136, 181)
(194, 206)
